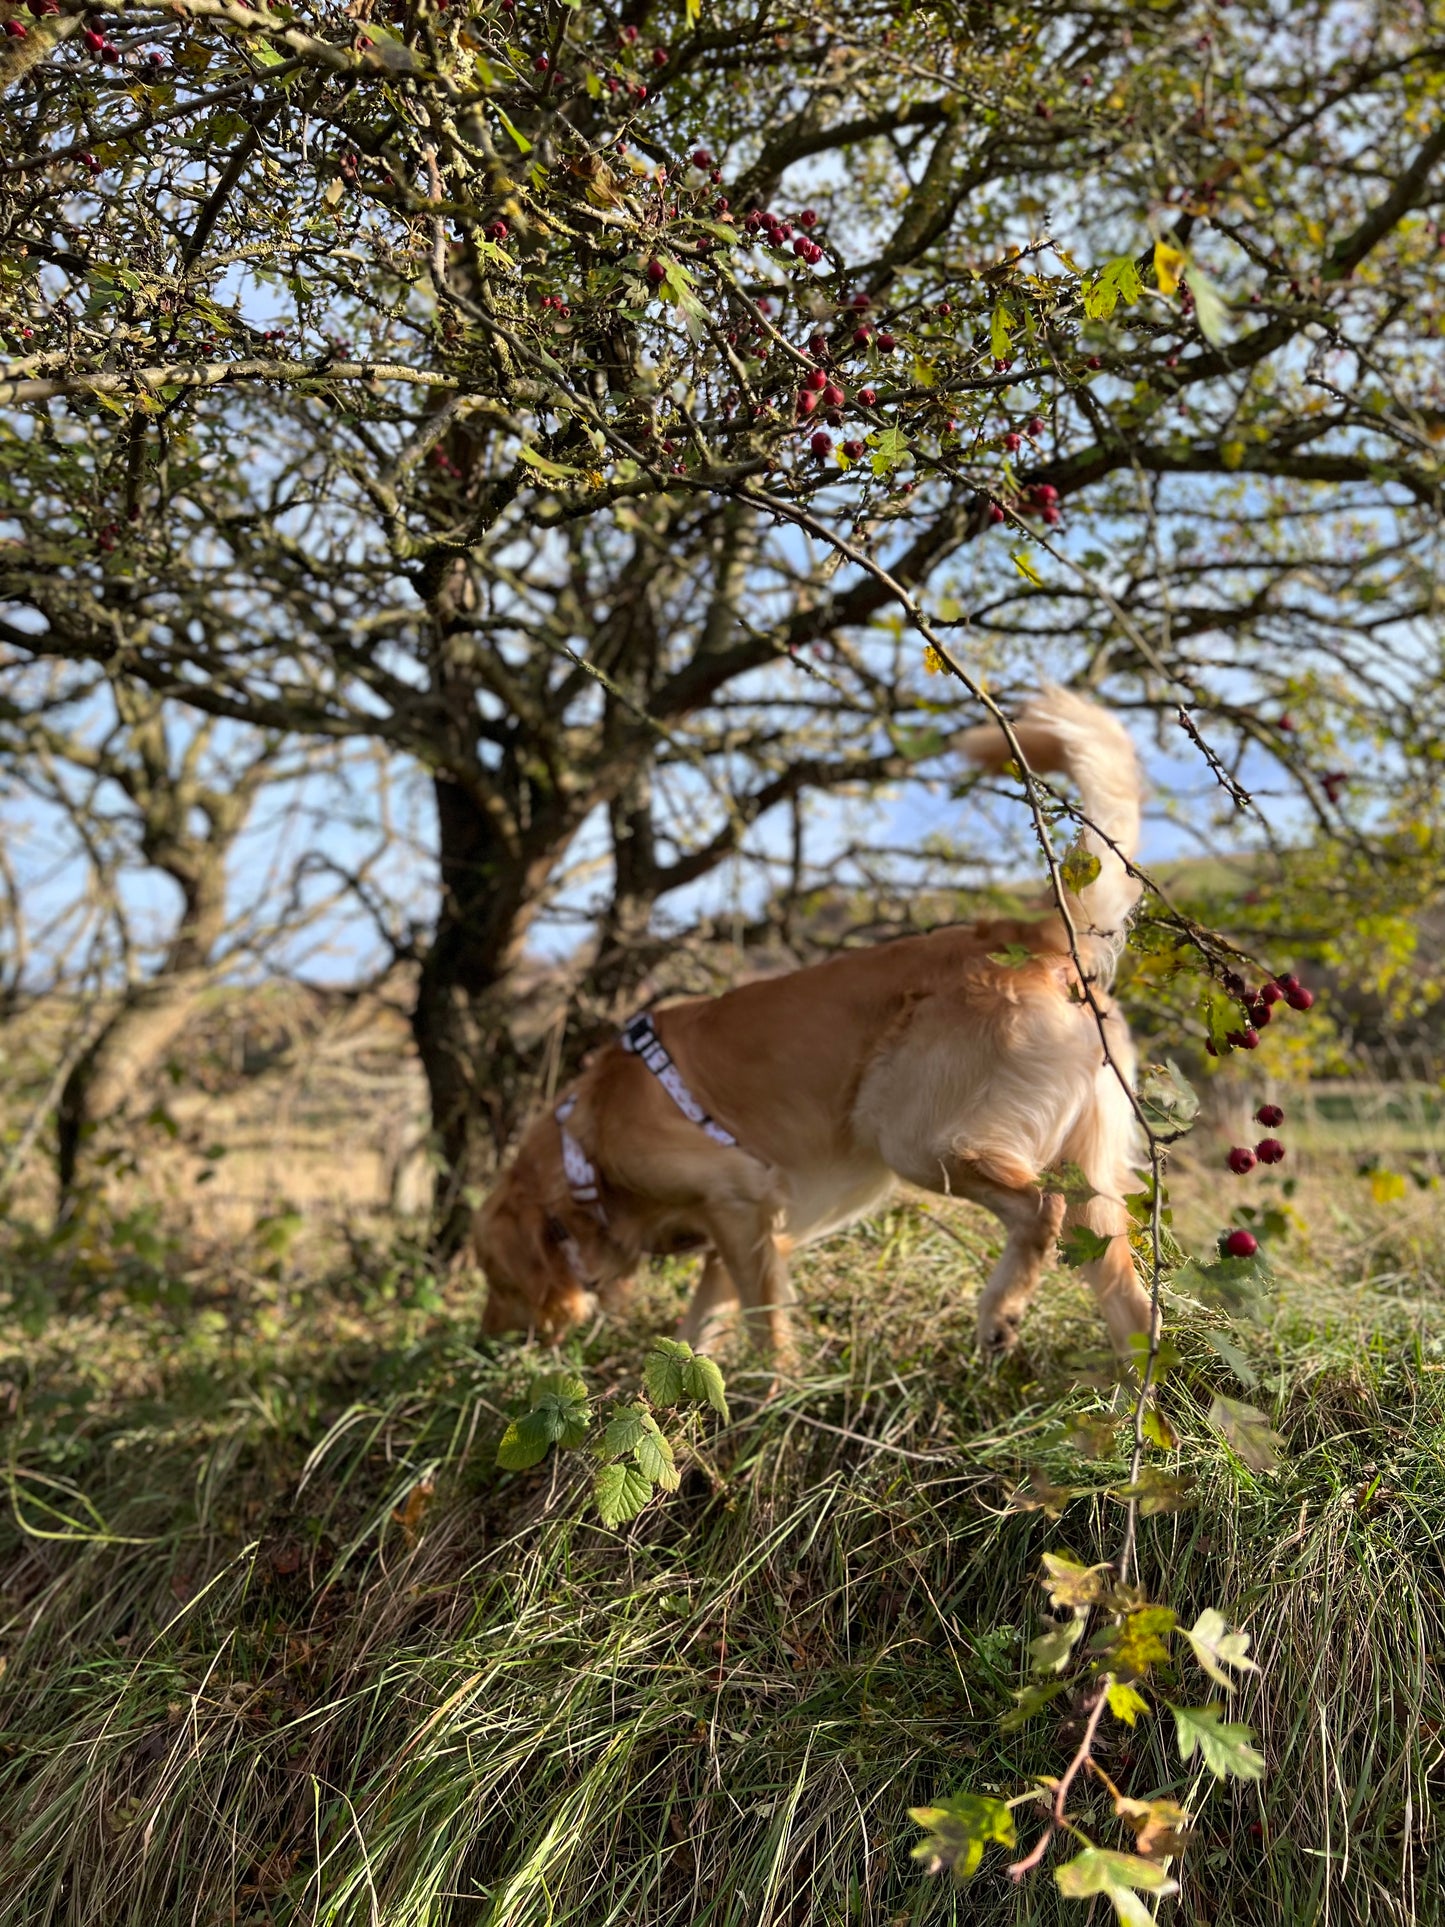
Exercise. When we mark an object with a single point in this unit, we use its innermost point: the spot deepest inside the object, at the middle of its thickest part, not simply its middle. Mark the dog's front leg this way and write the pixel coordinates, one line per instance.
(714, 1297)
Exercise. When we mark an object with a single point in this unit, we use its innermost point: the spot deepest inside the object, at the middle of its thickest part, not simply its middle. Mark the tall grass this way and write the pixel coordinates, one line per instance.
(284, 1646)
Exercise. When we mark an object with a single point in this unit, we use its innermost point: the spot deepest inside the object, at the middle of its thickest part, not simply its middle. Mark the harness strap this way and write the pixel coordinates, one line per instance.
(640, 1037)
(580, 1171)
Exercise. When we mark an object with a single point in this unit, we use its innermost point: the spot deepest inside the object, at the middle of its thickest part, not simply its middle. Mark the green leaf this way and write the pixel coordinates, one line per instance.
(701, 1380)
(621, 1491)
(561, 1399)
(1237, 1361)
(1211, 310)
(626, 1427)
(890, 450)
(1013, 956)
(1217, 1649)
(1030, 1702)
(663, 1372)
(1126, 1702)
(1050, 1651)
(524, 146)
(1225, 1748)
(1082, 1246)
(653, 1455)
(1221, 1015)
(1080, 868)
(555, 471)
(524, 1443)
(1119, 1877)
(1027, 570)
(1249, 1432)
(1156, 1491)
(958, 1830)
(1000, 333)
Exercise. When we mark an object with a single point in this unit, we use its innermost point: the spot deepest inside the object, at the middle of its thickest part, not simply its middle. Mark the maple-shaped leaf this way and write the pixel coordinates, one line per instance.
(1249, 1432)
(1225, 1747)
(1156, 1491)
(1217, 1649)
(1161, 1827)
(1068, 1181)
(959, 1829)
(1126, 1702)
(1168, 1100)
(1049, 1653)
(1082, 1246)
(1069, 1583)
(1093, 1438)
(621, 1491)
(1119, 1877)
(1038, 1493)
(1137, 1642)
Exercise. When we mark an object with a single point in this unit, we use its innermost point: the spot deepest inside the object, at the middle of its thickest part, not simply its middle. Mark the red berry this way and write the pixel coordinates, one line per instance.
(1036, 428)
(498, 230)
(860, 337)
(1269, 1150)
(1241, 1244)
(1270, 1115)
(1094, 361)
(1285, 725)
(817, 379)
(1270, 994)
(1052, 516)
(808, 217)
(854, 450)
(1240, 1160)
(1259, 1015)
(868, 396)
(15, 29)
(1043, 110)
(629, 34)
(110, 52)
(1045, 492)
(1287, 984)
(887, 343)
(1012, 442)
(818, 347)
(659, 56)
(833, 395)
(702, 158)
(944, 309)
(1300, 999)
(995, 513)
(656, 272)
(860, 301)
(807, 401)
(541, 63)
(95, 41)
(1246, 1039)
(821, 444)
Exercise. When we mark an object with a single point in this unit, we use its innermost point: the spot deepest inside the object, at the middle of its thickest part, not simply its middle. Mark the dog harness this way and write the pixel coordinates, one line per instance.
(640, 1037)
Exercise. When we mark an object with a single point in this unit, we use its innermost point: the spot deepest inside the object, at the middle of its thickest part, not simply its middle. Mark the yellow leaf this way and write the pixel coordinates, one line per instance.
(1232, 454)
(1387, 1187)
(1027, 570)
(1168, 265)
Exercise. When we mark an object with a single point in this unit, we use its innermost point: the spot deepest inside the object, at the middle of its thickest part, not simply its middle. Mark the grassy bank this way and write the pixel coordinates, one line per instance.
(283, 1645)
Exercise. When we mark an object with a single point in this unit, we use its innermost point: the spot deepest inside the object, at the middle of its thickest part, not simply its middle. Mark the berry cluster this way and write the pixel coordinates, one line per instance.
(1240, 1243)
(1258, 1008)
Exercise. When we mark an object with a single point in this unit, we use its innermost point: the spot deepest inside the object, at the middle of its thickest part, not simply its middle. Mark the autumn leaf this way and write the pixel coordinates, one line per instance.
(1216, 1649)
(1169, 264)
(1050, 1651)
(1068, 1583)
(1119, 1877)
(959, 1829)
(1027, 570)
(1137, 1642)
(1126, 1702)
(1161, 1827)
(1248, 1431)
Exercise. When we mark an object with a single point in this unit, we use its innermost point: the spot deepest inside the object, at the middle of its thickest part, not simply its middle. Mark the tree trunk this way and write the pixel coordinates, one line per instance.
(480, 1074)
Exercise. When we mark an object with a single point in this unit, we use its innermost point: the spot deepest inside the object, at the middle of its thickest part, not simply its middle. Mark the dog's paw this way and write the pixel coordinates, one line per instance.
(998, 1333)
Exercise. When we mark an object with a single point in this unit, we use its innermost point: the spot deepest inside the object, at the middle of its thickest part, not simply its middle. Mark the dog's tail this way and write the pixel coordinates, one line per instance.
(1059, 731)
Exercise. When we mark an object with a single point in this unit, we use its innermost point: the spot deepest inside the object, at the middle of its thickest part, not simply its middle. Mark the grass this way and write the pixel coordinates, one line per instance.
(283, 1645)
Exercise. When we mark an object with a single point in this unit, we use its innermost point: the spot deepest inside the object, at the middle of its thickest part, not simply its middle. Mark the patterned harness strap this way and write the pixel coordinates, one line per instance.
(640, 1037)
(581, 1172)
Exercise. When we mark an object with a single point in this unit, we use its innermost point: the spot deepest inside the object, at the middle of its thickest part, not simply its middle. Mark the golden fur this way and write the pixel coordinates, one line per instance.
(926, 1059)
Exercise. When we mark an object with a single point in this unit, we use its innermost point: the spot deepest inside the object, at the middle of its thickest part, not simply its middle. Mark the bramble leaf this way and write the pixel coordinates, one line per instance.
(958, 1830)
(1116, 1876)
(663, 1372)
(1216, 1649)
(704, 1382)
(621, 1491)
(653, 1455)
(1225, 1747)
(626, 1426)
(524, 1443)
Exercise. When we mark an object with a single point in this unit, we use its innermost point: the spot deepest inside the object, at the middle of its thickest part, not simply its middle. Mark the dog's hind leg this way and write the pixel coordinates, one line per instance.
(1101, 1144)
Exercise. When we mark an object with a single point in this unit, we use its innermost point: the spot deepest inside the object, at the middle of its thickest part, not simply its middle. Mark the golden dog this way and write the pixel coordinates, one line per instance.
(933, 1059)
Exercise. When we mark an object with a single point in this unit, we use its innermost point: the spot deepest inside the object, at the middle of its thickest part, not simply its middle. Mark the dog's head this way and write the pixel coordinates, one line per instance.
(542, 1268)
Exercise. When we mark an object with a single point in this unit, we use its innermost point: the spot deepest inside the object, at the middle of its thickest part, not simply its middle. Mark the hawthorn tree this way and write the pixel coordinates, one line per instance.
(596, 406)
